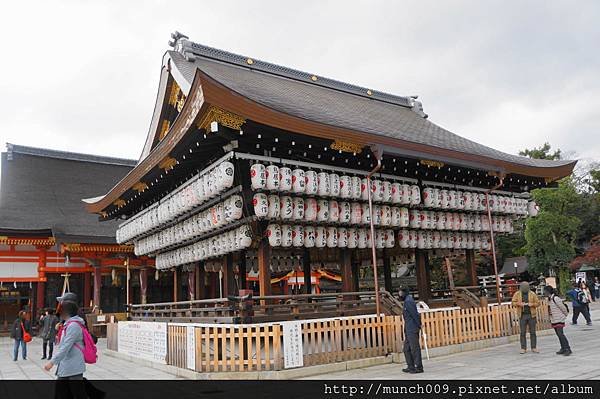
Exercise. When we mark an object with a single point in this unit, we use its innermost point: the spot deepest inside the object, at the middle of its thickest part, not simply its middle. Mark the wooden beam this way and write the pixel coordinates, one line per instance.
(387, 272)
(200, 281)
(191, 275)
(423, 277)
(144, 286)
(176, 285)
(346, 266)
(41, 294)
(229, 288)
(471, 266)
(264, 268)
(307, 272)
(242, 263)
(87, 289)
(355, 276)
(97, 286)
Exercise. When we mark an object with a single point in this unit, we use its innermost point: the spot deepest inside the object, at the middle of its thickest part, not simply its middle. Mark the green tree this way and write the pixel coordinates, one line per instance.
(552, 236)
(541, 153)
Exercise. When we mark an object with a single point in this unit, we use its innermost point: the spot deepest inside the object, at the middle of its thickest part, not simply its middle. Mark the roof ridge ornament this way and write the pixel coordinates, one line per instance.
(417, 106)
(182, 45)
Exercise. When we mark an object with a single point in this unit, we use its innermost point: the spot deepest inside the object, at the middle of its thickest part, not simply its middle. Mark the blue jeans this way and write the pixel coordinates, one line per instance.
(23, 349)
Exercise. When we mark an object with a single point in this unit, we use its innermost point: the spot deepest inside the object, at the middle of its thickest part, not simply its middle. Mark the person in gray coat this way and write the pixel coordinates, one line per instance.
(48, 332)
(68, 357)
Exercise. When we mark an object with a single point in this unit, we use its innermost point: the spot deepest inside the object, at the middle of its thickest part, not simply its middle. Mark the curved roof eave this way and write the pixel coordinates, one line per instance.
(216, 93)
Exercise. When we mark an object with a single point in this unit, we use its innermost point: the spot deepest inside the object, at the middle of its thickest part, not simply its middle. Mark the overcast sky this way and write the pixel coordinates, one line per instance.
(82, 75)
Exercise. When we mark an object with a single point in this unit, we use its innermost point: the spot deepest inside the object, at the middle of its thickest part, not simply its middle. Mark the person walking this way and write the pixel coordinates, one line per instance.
(412, 327)
(527, 302)
(21, 333)
(48, 333)
(559, 311)
(580, 304)
(69, 356)
(596, 287)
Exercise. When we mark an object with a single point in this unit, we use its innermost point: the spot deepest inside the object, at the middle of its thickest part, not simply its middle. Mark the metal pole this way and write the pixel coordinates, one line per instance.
(377, 154)
(489, 213)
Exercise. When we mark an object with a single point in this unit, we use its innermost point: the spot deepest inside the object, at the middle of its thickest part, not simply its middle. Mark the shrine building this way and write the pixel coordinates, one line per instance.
(253, 173)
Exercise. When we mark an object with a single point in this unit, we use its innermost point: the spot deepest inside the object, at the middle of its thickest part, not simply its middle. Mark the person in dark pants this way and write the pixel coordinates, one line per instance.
(19, 327)
(412, 327)
(558, 314)
(527, 303)
(580, 304)
(48, 333)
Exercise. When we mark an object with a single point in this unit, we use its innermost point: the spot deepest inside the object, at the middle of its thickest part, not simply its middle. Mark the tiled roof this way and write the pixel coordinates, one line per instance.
(71, 156)
(41, 190)
(329, 101)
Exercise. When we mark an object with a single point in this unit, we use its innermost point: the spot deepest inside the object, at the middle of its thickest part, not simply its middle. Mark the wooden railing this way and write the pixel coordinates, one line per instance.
(259, 346)
(266, 308)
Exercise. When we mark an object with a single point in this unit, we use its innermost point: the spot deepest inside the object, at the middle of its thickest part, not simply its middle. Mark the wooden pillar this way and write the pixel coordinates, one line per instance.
(264, 268)
(200, 281)
(242, 263)
(143, 286)
(346, 266)
(229, 287)
(387, 272)
(191, 275)
(97, 285)
(40, 295)
(423, 277)
(176, 285)
(307, 272)
(41, 285)
(213, 285)
(87, 289)
(355, 276)
(471, 266)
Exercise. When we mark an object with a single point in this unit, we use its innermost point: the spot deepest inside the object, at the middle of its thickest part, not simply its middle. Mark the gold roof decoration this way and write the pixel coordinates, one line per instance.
(167, 163)
(164, 129)
(225, 118)
(432, 164)
(27, 241)
(140, 186)
(112, 248)
(346, 146)
(119, 202)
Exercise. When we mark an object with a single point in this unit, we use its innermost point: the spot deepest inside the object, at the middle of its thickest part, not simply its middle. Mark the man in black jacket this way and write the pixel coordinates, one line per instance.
(412, 327)
(20, 325)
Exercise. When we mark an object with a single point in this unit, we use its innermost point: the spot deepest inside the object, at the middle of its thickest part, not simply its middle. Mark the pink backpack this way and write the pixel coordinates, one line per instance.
(89, 350)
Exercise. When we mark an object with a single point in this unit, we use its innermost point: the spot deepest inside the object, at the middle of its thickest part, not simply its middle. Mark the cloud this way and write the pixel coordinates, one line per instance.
(82, 76)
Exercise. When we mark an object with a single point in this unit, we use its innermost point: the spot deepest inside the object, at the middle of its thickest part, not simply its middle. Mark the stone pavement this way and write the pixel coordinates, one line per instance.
(504, 361)
(107, 368)
(500, 362)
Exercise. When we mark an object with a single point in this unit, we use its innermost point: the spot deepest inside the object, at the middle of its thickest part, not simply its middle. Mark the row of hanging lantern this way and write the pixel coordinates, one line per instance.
(287, 236)
(323, 184)
(218, 245)
(201, 188)
(311, 210)
(273, 178)
(215, 217)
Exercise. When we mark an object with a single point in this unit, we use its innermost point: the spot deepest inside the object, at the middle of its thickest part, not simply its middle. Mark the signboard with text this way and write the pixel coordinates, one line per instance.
(293, 349)
(146, 340)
